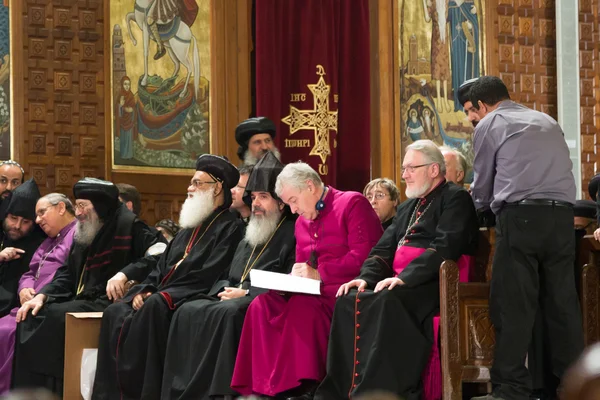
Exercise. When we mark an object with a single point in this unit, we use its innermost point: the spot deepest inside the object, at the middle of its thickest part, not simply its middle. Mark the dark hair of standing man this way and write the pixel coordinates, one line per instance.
(130, 193)
(489, 90)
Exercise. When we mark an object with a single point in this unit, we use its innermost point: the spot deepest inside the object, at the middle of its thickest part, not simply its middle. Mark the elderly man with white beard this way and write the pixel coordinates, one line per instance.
(211, 325)
(136, 328)
(108, 238)
(382, 331)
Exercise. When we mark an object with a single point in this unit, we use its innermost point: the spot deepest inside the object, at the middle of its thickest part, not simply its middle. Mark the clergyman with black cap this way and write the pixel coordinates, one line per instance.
(137, 328)
(108, 241)
(19, 240)
(465, 101)
(255, 137)
(212, 324)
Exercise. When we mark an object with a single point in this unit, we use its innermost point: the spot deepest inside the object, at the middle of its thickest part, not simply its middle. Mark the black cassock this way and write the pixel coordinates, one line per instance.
(39, 350)
(382, 341)
(132, 345)
(11, 271)
(205, 333)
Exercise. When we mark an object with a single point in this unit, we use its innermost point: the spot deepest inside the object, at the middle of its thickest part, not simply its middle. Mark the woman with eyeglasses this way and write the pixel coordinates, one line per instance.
(384, 196)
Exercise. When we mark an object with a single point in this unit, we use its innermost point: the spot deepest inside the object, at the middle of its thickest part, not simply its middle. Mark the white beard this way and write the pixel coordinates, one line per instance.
(196, 209)
(249, 158)
(418, 192)
(85, 232)
(260, 228)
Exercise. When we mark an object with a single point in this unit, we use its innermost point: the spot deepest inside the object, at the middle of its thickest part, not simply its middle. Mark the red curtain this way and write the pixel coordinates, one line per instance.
(294, 38)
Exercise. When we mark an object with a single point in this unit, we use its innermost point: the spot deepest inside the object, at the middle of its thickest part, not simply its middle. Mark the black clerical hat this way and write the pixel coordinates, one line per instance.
(23, 200)
(585, 209)
(220, 169)
(249, 128)
(464, 91)
(263, 177)
(593, 187)
(104, 195)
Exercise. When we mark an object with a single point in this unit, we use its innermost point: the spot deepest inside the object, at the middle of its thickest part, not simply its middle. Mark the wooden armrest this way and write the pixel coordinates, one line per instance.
(130, 284)
(590, 292)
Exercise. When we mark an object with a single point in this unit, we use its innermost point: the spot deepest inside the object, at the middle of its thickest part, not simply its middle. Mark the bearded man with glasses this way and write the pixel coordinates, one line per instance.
(382, 328)
(133, 335)
(109, 240)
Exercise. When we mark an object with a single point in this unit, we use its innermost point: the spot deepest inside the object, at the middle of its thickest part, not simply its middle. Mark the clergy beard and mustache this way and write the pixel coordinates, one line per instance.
(261, 227)
(413, 193)
(249, 158)
(197, 208)
(87, 228)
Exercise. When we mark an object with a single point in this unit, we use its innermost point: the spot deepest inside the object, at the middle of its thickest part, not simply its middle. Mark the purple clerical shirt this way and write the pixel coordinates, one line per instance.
(51, 255)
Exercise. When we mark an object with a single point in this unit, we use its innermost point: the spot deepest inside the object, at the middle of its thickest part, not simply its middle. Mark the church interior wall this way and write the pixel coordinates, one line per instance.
(60, 86)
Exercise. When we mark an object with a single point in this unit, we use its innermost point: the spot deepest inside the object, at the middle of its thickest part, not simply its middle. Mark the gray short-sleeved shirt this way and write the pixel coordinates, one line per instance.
(520, 154)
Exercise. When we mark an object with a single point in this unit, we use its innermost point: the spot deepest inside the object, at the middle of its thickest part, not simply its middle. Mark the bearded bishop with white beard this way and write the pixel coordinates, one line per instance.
(108, 240)
(133, 335)
(211, 326)
(382, 331)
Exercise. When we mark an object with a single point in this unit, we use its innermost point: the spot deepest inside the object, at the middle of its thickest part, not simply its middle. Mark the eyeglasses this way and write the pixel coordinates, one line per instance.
(43, 211)
(198, 184)
(376, 195)
(81, 206)
(411, 168)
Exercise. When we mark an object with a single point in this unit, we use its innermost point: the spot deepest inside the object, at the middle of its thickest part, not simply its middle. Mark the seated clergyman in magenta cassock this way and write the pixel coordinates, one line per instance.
(56, 217)
(284, 339)
(133, 335)
(381, 338)
(211, 329)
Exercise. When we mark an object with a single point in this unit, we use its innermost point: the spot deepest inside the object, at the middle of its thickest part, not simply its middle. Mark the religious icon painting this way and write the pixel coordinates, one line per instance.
(5, 103)
(440, 47)
(160, 75)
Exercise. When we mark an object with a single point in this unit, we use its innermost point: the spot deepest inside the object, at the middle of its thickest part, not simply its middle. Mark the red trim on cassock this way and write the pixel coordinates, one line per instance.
(123, 237)
(97, 265)
(168, 298)
(356, 337)
(167, 276)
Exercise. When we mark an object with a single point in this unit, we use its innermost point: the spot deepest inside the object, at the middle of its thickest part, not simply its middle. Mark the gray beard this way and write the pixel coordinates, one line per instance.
(418, 192)
(196, 209)
(249, 158)
(260, 229)
(86, 232)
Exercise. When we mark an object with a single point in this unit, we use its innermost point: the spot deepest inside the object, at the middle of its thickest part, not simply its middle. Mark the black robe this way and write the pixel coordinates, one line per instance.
(381, 341)
(11, 271)
(39, 347)
(132, 344)
(211, 329)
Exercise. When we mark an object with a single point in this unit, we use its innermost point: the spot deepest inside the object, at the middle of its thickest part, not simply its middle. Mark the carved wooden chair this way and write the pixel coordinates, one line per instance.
(589, 262)
(466, 331)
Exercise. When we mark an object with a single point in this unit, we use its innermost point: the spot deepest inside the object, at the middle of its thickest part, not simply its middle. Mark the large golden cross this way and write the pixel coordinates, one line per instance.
(319, 119)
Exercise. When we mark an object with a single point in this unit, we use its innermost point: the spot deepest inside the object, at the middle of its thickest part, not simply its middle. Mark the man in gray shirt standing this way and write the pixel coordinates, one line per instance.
(523, 174)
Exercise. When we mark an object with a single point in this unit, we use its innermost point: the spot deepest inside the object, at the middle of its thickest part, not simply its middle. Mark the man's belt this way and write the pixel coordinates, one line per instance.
(541, 202)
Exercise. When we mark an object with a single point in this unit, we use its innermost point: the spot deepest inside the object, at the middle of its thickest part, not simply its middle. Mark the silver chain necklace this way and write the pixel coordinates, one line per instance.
(413, 221)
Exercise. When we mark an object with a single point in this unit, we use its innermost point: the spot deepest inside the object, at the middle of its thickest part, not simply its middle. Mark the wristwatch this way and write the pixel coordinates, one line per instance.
(247, 292)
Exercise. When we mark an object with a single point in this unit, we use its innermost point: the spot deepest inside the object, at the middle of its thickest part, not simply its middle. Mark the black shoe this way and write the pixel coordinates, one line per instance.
(160, 52)
(306, 396)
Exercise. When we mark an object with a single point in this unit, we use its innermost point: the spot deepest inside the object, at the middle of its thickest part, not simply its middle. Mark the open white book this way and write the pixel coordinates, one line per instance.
(284, 282)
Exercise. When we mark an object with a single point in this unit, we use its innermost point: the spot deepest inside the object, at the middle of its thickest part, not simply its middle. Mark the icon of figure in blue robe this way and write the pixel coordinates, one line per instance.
(464, 57)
